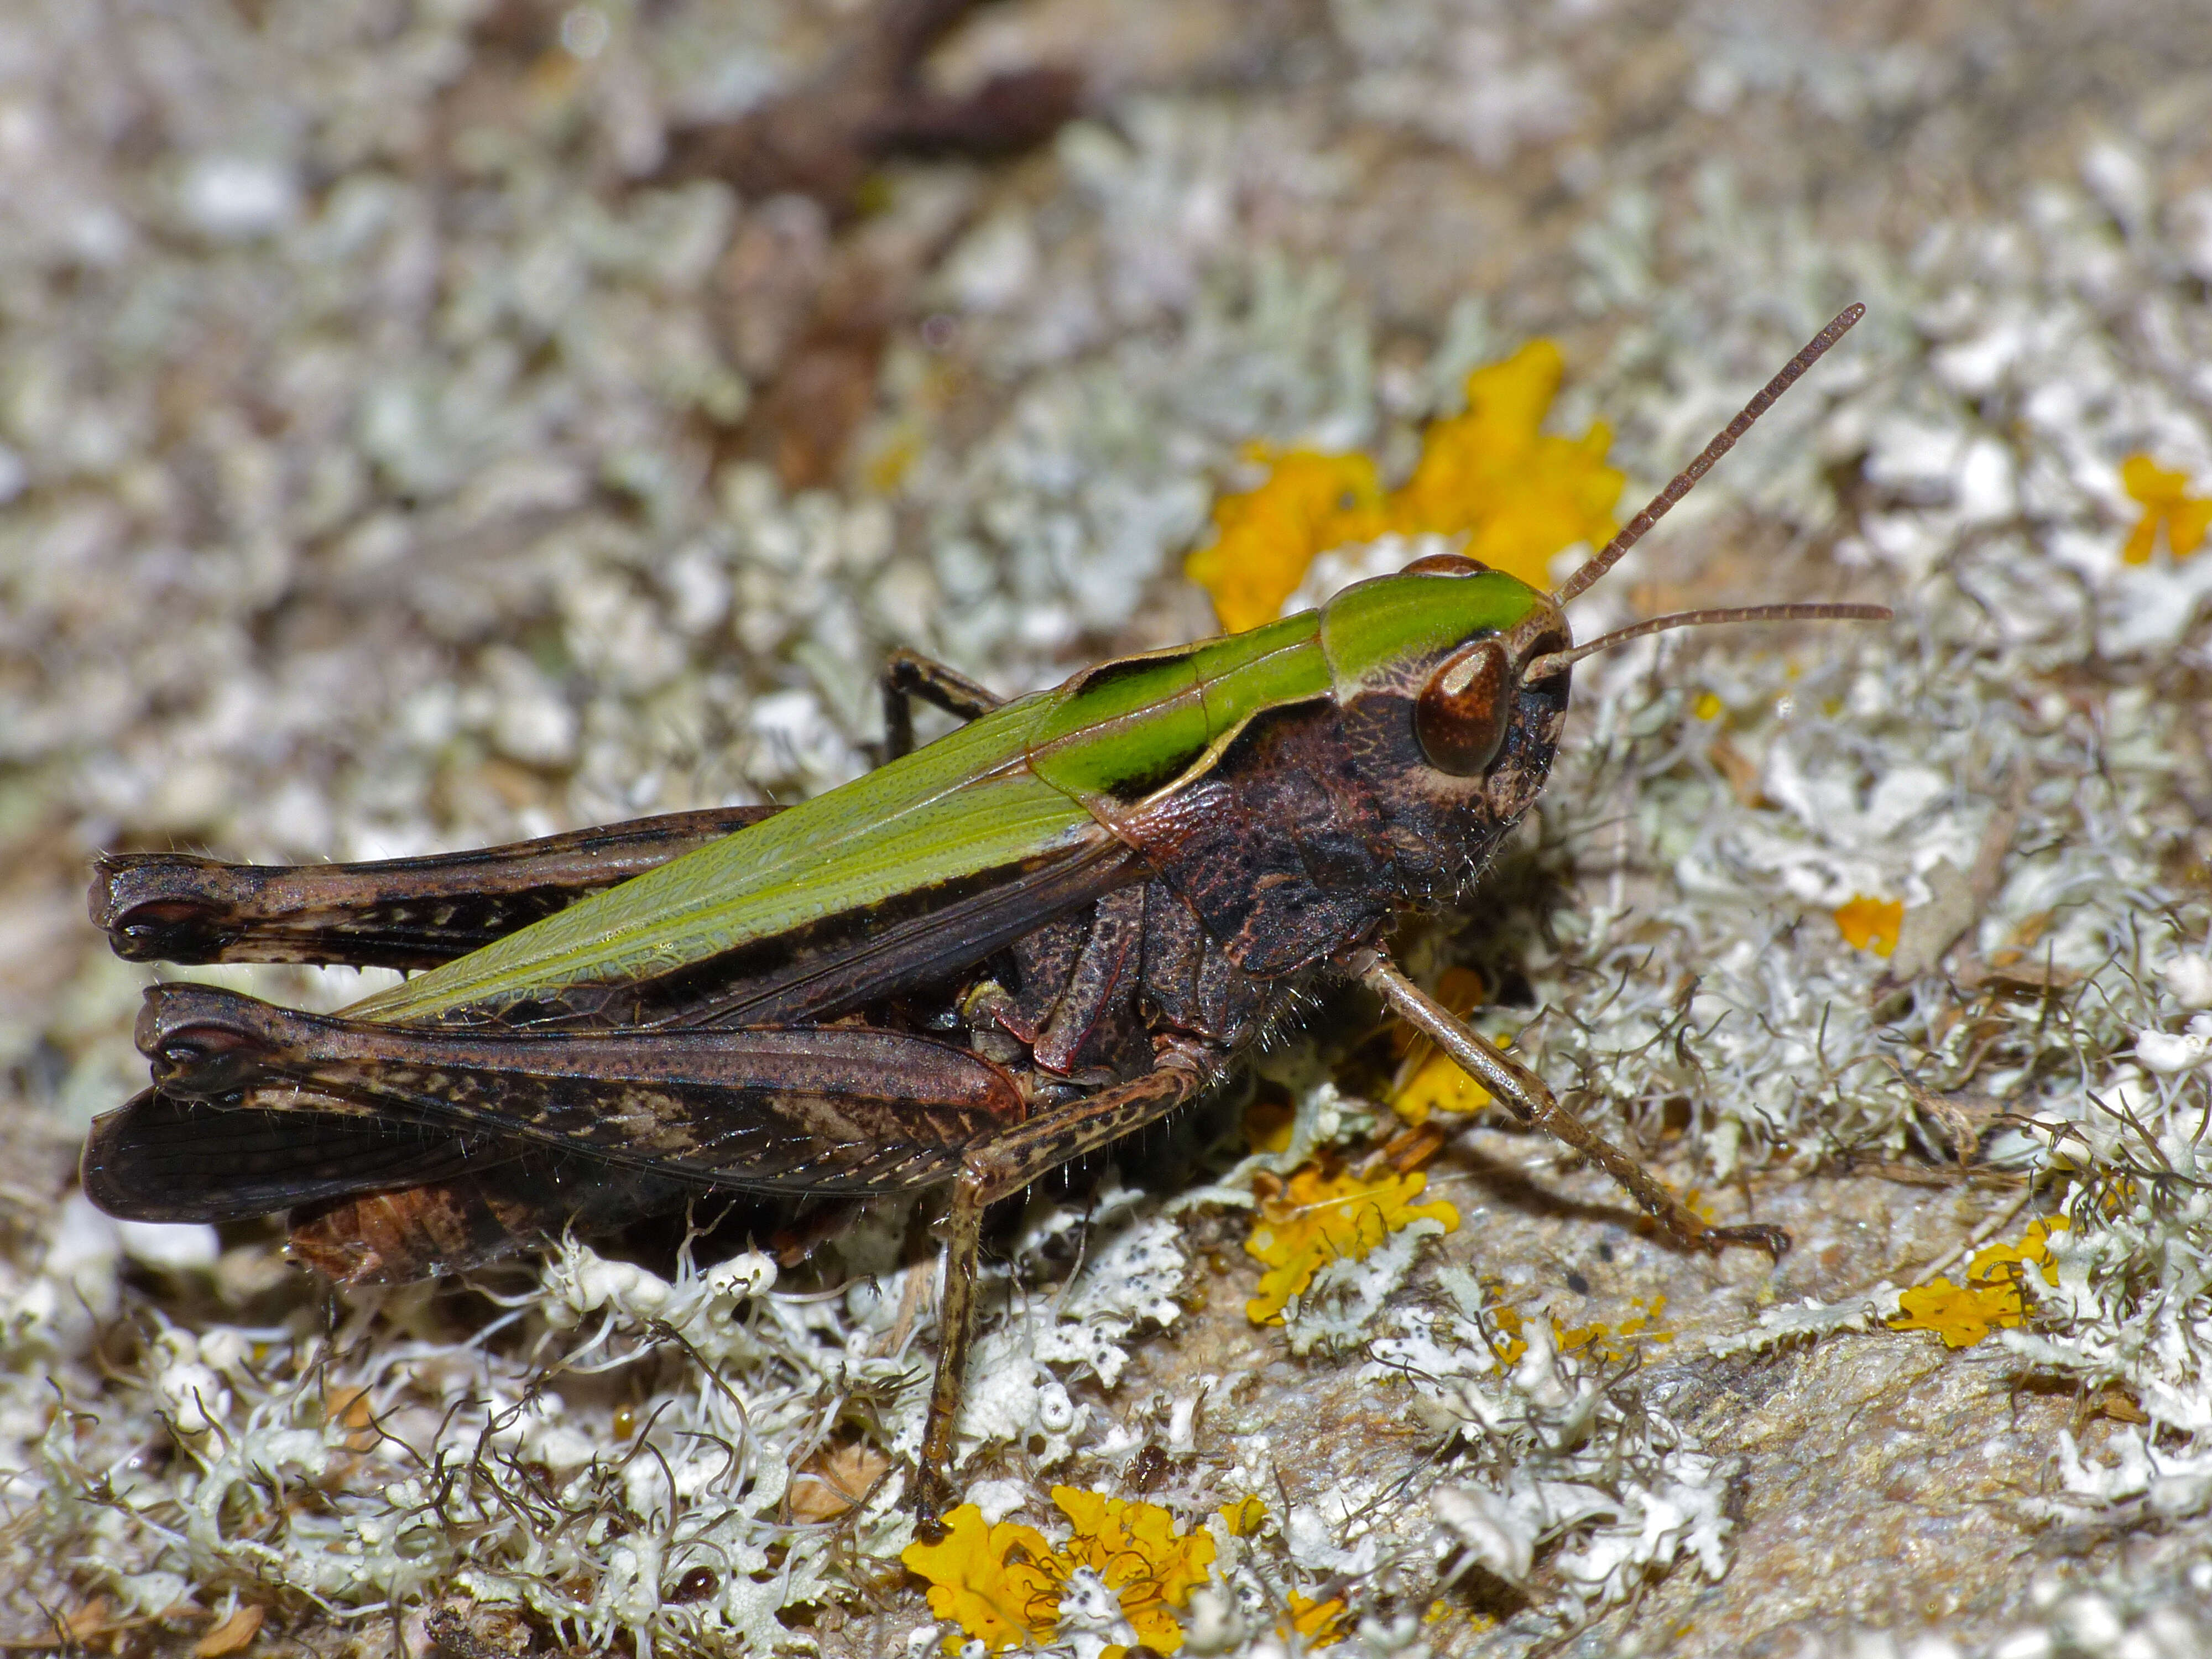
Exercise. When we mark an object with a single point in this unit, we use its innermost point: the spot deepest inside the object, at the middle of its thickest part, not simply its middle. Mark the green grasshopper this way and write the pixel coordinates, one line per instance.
(989, 956)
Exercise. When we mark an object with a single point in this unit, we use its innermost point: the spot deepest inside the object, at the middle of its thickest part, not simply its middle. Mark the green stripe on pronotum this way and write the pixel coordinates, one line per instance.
(988, 957)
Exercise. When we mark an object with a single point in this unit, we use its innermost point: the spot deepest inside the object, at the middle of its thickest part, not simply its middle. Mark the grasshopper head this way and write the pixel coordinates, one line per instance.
(1451, 678)
(1450, 682)
(1446, 644)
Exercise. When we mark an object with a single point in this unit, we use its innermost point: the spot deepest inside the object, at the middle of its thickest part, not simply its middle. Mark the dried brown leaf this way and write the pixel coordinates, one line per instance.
(232, 1635)
(836, 1480)
(94, 1619)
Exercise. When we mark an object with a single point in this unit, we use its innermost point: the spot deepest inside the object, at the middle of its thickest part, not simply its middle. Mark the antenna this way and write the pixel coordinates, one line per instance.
(1553, 661)
(1633, 531)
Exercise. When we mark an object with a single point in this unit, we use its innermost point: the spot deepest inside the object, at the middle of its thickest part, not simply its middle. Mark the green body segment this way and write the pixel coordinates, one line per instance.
(1017, 786)
(964, 805)
(1157, 721)
(1373, 627)
(1145, 723)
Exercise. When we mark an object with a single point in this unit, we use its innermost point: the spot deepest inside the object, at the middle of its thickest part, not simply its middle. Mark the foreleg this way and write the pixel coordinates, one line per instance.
(1525, 1095)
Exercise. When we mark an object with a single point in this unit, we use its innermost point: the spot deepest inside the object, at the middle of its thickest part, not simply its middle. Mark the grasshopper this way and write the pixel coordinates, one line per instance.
(989, 956)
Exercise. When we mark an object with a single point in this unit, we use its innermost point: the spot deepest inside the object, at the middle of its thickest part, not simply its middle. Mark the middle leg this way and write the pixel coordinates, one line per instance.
(908, 675)
(998, 1168)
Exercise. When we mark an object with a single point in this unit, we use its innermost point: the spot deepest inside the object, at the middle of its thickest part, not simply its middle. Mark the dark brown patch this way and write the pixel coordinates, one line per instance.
(1044, 958)
(1094, 1024)
(1174, 950)
(156, 1158)
(1280, 868)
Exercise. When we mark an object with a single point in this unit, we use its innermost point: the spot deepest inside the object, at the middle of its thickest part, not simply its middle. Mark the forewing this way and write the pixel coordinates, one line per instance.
(914, 870)
(916, 939)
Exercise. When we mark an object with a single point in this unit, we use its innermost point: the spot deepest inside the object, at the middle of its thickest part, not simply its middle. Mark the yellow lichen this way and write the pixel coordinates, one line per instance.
(1871, 924)
(1440, 1611)
(1135, 1548)
(1269, 1125)
(1438, 1086)
(886, 466)
(1318, 1622)
(1610, 1344)
(2166, 505)
(1990, 1299)
(1428, 1080)
(1243, 1517)
(1318, 1216)
(1607, 1344)
(1003, 1584)
(1265, 539)
(1510, 1344)
(1321, 1623)
(1518, 496)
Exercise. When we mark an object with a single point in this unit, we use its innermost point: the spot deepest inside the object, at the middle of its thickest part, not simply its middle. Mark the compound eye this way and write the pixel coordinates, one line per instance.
(1461, 715)
(1444, 565)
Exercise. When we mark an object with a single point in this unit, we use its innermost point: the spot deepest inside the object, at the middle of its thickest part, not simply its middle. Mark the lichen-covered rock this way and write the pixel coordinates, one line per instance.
(390, 459)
